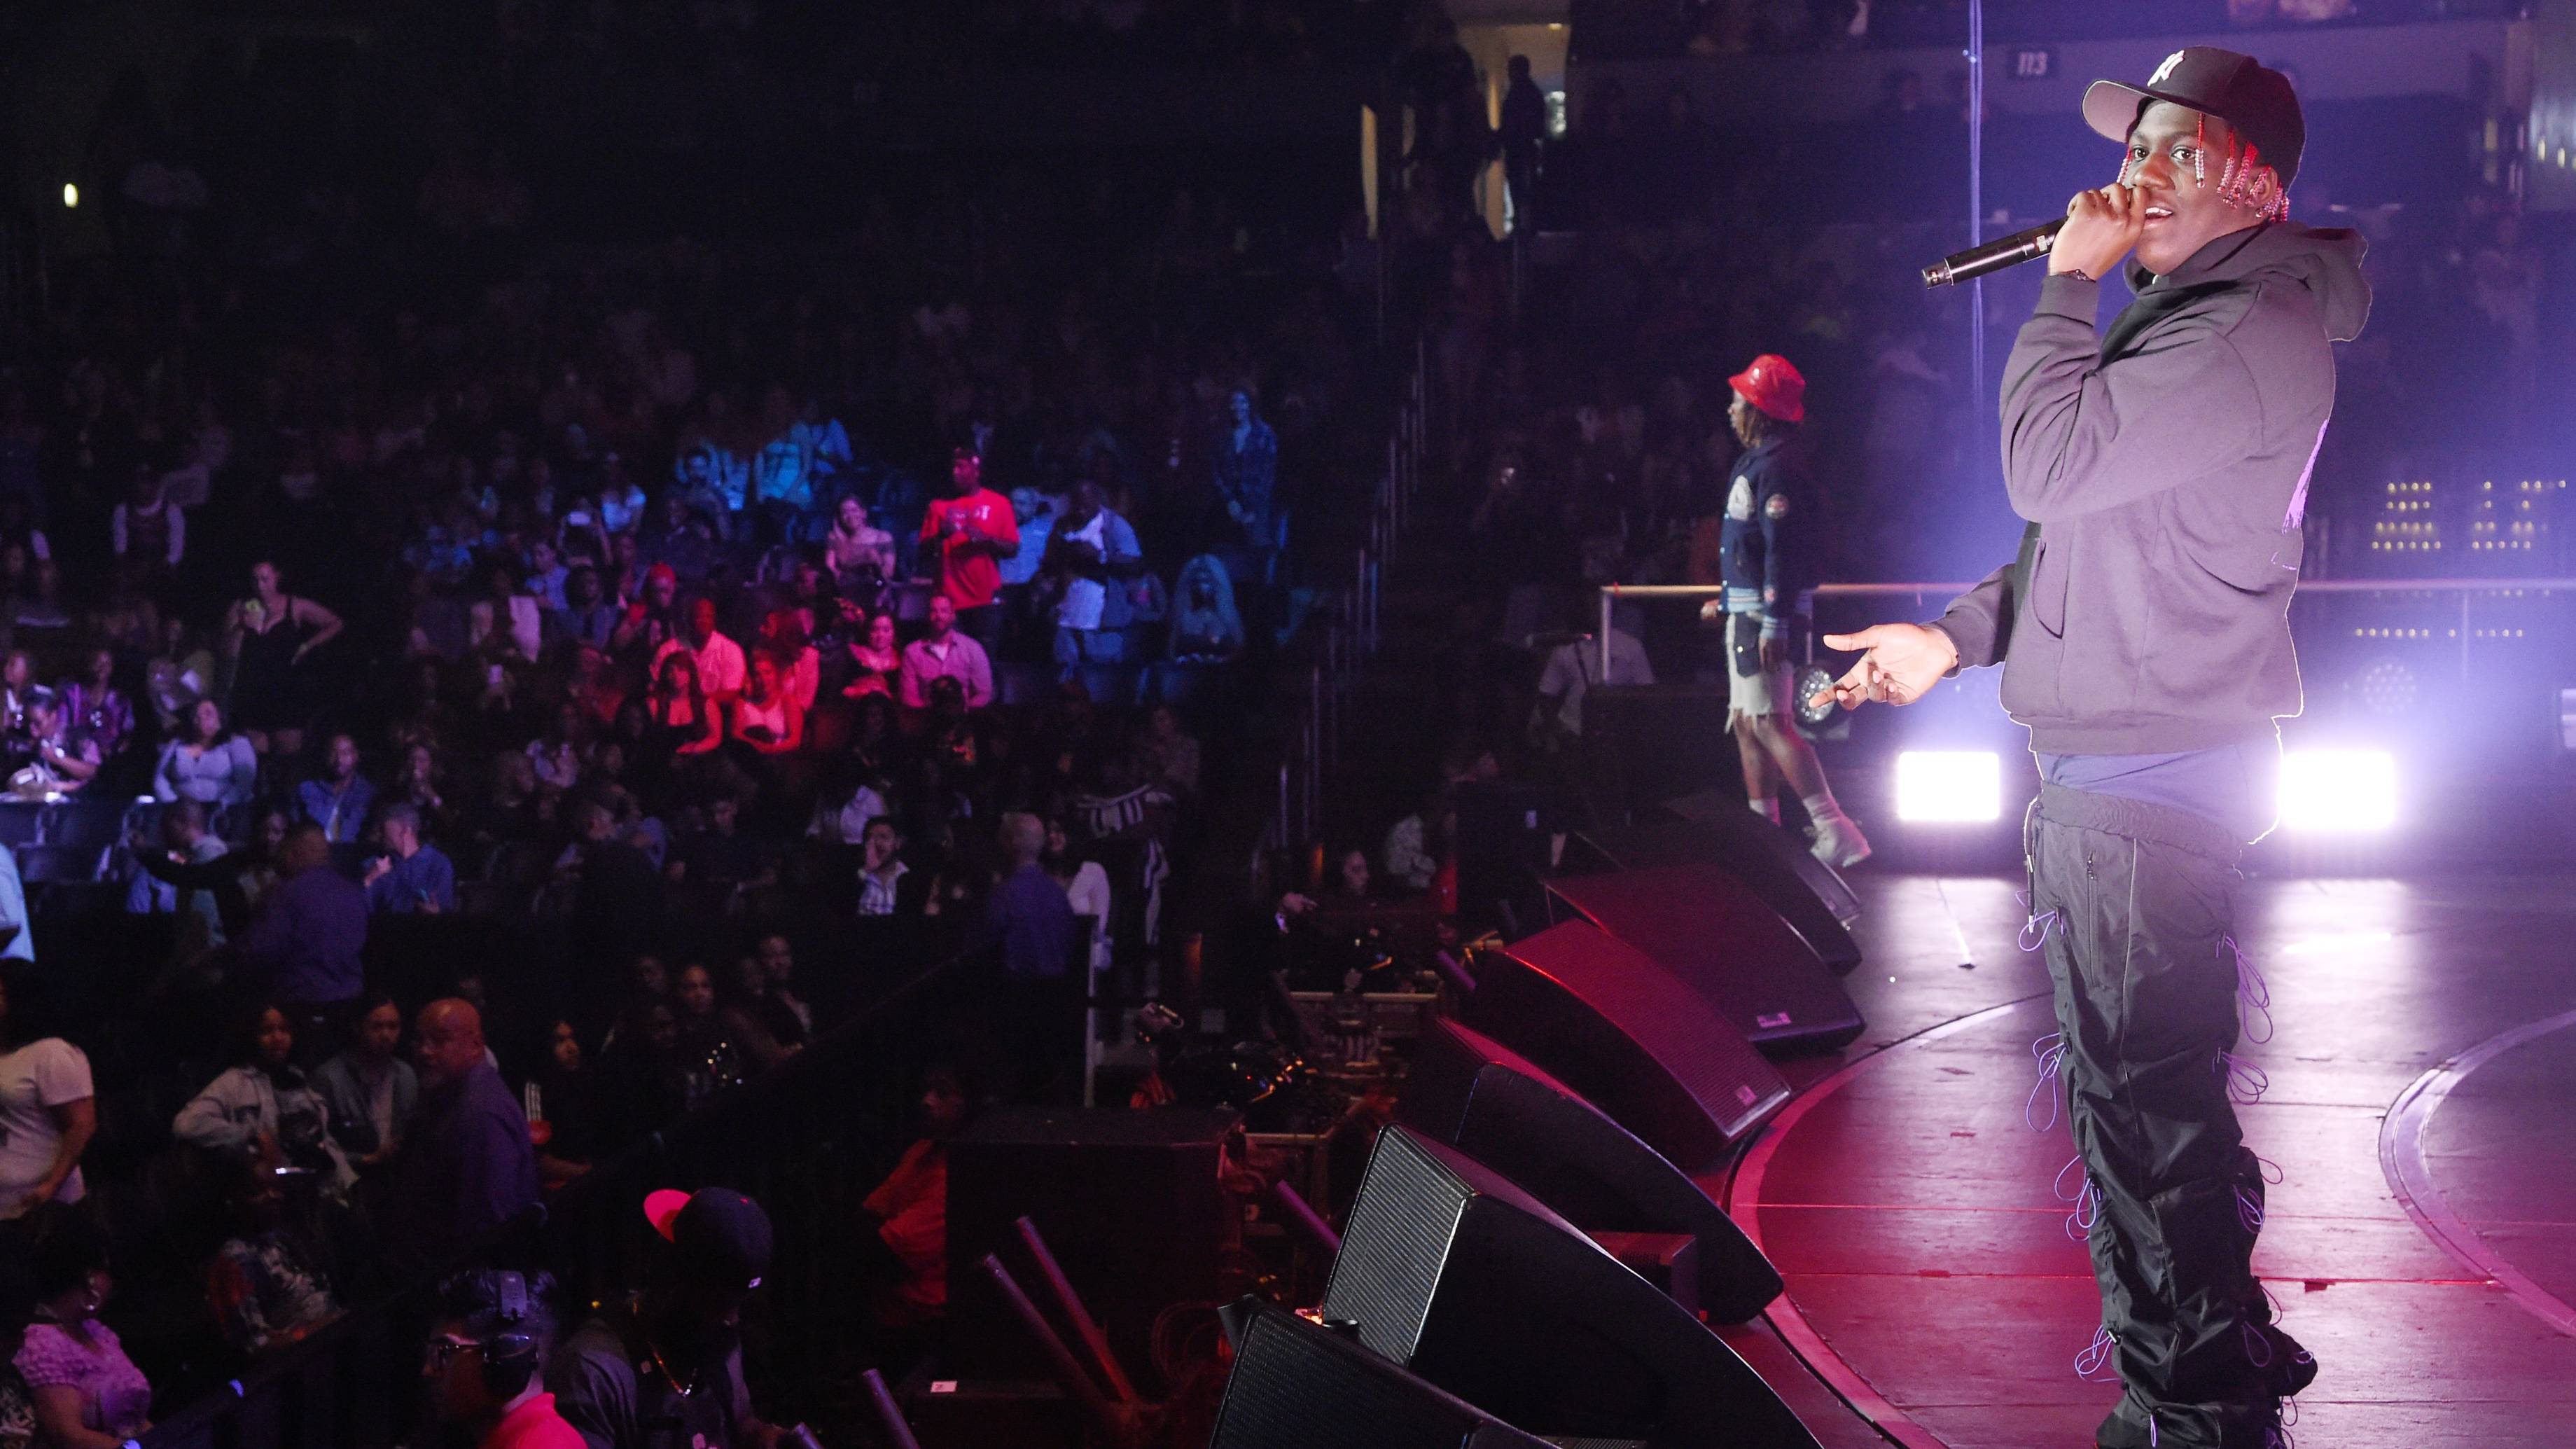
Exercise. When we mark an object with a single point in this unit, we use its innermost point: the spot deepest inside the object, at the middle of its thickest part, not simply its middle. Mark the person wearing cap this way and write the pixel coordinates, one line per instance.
(484, 1362)
(662, 1369)
(2162, 469)
(1767, 563)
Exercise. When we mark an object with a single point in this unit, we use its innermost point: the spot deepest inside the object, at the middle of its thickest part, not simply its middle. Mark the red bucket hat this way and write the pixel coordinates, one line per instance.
(1774, 386)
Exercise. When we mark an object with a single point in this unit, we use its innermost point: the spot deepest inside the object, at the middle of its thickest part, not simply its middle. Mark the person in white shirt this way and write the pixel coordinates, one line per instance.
(846, 822)
(1574, 668)
(722, 669)
(48, 1109)
(1086, 889)
(1413, 845)
(881, 871)
(767, 718)
(508, 620)
(621, 500)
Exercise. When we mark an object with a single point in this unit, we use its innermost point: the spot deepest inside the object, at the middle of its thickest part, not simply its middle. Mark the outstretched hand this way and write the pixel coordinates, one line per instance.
(1899, 664)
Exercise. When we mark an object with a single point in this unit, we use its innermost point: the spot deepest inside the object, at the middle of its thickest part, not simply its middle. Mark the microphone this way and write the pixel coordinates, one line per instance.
(1994, 256)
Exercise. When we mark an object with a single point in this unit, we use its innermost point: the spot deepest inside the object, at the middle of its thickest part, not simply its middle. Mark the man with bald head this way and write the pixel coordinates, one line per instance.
(467, 1166)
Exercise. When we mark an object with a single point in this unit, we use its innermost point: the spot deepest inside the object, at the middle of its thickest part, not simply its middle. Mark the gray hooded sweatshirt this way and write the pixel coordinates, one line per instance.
(2163, 468)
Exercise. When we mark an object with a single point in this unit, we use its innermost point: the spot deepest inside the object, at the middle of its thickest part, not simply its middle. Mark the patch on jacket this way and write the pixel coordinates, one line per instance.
(1739, 500)
(1776, 507)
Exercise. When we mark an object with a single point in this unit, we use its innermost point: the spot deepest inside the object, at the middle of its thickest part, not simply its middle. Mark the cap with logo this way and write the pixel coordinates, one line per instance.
(2238, 89)
(1774, 387)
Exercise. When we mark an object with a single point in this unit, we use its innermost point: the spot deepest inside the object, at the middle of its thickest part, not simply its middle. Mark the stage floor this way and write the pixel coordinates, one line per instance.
(2421, 1106)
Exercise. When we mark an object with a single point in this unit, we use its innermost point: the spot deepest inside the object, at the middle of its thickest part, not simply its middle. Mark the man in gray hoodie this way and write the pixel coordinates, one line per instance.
(2162, 469)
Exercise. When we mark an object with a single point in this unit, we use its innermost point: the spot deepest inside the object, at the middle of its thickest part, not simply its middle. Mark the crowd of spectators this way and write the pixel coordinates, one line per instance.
(681, 605)
(395, 567)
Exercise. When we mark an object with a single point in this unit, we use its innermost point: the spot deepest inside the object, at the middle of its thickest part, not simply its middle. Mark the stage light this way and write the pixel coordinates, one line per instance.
(71, 194)
(1949, 787)
(2388, 687)
(2346, 792)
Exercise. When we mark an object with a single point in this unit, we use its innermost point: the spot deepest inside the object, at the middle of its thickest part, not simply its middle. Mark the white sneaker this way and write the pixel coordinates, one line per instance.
(1839, 842)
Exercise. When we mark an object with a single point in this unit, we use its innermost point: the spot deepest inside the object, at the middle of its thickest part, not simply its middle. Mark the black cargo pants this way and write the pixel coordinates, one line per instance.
(2146, 991)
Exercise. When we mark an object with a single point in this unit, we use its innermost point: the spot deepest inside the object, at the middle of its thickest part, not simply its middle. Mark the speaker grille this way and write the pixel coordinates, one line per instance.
(1395, 1243)
(1531, 1321)
(1296, 1386)
(1562, 1150)
(1289, 1391)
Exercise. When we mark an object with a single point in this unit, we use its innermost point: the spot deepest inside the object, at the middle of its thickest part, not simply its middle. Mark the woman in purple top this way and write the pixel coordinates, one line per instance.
(206, 762)
(88, 1394)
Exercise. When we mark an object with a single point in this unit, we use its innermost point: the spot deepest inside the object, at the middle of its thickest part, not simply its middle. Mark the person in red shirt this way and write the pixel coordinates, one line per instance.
(907, 1215)
(483, 1359)
(973, 530)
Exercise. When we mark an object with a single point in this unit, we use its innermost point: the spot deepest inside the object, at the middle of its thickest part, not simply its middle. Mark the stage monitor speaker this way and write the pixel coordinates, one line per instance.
(1746, 851)
(1644, 743)
(1613, 1023)
(1451, 1271)
(1300, 1385)
(1711, 931)
(1505, 1111)
(1130, 1203)
(1750, 839)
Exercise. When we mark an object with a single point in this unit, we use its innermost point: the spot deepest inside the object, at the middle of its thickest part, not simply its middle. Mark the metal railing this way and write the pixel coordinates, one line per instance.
(1923, 596)
(1350, 637)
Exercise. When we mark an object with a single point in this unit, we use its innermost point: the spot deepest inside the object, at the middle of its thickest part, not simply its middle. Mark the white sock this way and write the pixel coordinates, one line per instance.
(1768, 809)
(1821, 806)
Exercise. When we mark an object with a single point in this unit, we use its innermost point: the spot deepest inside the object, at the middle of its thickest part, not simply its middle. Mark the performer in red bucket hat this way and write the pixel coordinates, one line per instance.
(1773, 384)
(1767, 562)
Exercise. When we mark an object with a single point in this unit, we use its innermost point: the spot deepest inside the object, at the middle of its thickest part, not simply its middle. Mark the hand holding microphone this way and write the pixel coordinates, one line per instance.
(2101, 229)
(2049, 239)
(1899, 664)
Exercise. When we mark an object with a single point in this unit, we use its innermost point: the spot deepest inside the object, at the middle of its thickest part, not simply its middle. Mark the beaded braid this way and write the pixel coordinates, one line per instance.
(2235, 182)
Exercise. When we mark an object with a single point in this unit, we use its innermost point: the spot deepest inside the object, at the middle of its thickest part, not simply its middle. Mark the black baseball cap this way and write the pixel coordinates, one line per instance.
(716, 1234)
(2237, 89)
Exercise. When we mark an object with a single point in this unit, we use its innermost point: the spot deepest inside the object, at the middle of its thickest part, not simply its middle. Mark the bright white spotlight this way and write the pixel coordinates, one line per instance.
(71, 194)
(1949, 787)
(2346, 792)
